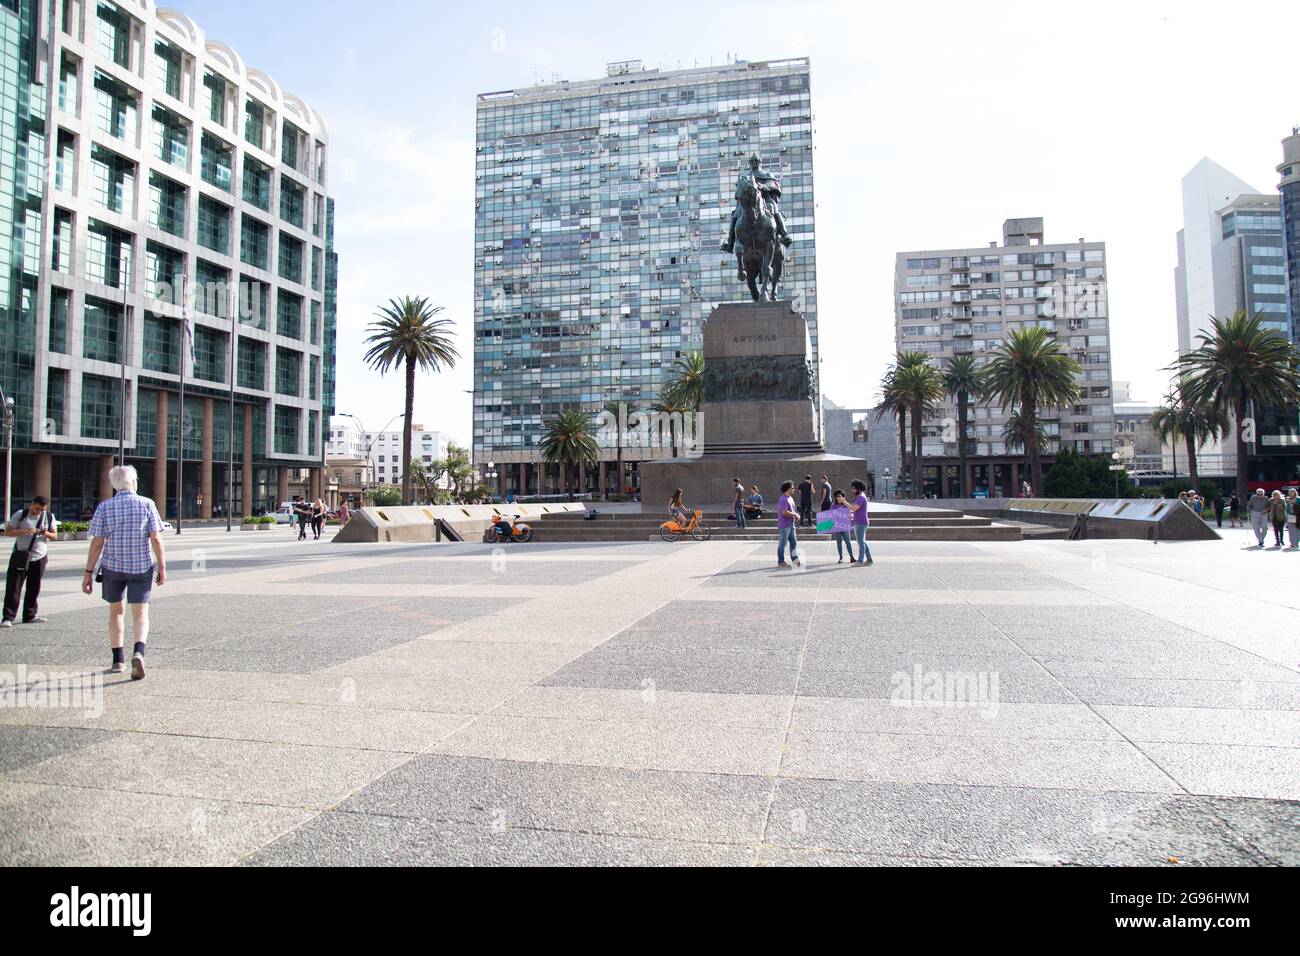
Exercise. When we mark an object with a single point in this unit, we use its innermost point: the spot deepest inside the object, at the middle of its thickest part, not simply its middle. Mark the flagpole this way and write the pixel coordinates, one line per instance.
(123, 338)
(180, 412)
(230, 415)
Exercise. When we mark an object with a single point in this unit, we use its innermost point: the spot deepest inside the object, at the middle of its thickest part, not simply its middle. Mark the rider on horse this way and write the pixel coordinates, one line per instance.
(769, 187)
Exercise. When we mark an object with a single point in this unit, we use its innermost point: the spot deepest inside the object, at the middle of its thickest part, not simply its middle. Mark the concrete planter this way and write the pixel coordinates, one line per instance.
(256, 527)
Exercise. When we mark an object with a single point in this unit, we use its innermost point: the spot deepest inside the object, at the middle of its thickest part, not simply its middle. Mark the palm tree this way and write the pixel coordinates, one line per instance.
(919, 386)
(1016, 433)
(614, 408)
(675, 412)
(963, 381)
(893, 403)
(1236, 365)
(686, 387)
(409, 333)
(1029, 372)
(890, 405)
(570, 439)
(1178, 419)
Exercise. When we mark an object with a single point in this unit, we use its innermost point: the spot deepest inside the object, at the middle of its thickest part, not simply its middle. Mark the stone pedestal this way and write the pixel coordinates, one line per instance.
(759, 414)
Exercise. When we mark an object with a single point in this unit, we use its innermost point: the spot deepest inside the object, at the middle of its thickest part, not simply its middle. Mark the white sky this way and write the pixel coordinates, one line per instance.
(934, 122)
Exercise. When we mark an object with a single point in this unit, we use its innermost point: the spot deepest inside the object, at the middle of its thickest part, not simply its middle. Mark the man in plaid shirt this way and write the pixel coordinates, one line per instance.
(125, 542)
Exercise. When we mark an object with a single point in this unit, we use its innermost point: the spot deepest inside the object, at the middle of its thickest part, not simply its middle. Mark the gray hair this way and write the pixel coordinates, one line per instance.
(122, 477)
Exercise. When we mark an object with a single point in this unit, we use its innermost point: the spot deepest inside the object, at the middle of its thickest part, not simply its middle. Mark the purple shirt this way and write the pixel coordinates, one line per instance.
(860, 515)
(783, 520)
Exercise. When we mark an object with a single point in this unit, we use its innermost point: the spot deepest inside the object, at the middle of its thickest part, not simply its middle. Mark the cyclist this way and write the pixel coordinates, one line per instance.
(677, 509)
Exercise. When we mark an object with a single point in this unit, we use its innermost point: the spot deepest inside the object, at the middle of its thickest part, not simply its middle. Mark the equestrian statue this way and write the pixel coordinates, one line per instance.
(758, 235)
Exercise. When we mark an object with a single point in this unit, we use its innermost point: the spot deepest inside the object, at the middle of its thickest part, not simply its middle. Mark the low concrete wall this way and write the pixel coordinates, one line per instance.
(1156, 519)
(416, 523)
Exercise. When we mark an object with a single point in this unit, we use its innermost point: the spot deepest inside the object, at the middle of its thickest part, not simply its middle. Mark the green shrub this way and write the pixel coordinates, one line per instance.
(1082, 476)
(257, 519)
(73, 527)
(386, 496)
(1174, 487)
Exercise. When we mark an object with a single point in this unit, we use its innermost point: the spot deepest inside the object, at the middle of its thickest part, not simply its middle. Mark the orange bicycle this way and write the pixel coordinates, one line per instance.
(673, 528)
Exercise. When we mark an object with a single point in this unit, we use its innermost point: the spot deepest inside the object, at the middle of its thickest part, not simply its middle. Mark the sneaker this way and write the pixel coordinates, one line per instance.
(37, 620)
(117, 667)
(870, 561)
(6, 623)
(782, 564)
(137, 667)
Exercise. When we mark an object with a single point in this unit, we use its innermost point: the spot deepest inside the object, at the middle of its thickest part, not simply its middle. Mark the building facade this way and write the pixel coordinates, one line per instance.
(964, 301)
(1289, 191)
(599, 209)
(863, 433)
(385, 451)
(1232, 257)
(173, 209)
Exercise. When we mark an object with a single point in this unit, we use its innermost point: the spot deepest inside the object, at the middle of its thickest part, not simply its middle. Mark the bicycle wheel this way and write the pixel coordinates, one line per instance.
(668, 534)
(701, 533)
(525, 534)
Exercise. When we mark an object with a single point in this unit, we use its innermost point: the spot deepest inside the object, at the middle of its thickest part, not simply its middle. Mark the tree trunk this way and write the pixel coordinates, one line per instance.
(1029, 417)
(961, 445)
(902, 447)
(1243, 469)
(916, 450)
(406, 431)
(618, 479)
(1191, 463)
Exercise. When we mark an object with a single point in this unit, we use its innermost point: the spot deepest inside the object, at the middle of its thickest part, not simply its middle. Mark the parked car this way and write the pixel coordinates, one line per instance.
(283, 513)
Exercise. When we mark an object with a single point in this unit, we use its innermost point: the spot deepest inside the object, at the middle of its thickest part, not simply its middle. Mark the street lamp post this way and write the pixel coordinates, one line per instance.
(888, 474)
(8, 402)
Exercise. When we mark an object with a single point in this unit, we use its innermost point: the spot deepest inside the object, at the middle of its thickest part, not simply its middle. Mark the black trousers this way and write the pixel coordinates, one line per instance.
(317, 523)
(14, 582)
(805, 511)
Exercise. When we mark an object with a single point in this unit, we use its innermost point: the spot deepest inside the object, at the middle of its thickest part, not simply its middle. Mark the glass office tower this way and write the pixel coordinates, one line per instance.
(599, 209)
(138, 156)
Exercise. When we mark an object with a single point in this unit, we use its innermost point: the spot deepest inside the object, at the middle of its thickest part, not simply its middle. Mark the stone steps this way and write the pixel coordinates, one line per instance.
(926, 525)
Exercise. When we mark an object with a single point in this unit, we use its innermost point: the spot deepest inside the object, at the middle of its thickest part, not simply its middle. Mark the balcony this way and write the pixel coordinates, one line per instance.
(1043, 294)
(960, 279)
(961, 298)
(961, 330)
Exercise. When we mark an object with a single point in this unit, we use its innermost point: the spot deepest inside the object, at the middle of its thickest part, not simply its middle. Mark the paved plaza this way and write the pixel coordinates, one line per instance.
(958, 703)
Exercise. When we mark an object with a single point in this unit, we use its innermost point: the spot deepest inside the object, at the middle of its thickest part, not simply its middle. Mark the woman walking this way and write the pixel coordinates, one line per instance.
(842, 539)
(317, 518)
(786, 516)
(1277, 516)
(1234, 511)
(860, 521)
(1293, 527)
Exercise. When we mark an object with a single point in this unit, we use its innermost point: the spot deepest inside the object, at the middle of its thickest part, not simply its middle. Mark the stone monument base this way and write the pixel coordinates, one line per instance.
(707, 480)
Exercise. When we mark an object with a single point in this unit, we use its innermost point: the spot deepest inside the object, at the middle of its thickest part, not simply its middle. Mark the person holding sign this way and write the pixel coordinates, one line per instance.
(860, 521)
(841, 515)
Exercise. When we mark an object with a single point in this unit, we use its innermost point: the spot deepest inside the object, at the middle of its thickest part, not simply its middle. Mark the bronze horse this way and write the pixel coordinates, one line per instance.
(759, 252)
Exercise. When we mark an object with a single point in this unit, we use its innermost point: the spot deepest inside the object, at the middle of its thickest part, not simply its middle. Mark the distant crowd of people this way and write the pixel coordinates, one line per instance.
(849, 511)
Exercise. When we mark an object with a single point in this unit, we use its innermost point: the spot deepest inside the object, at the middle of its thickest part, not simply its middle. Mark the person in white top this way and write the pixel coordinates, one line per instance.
(33, 526)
